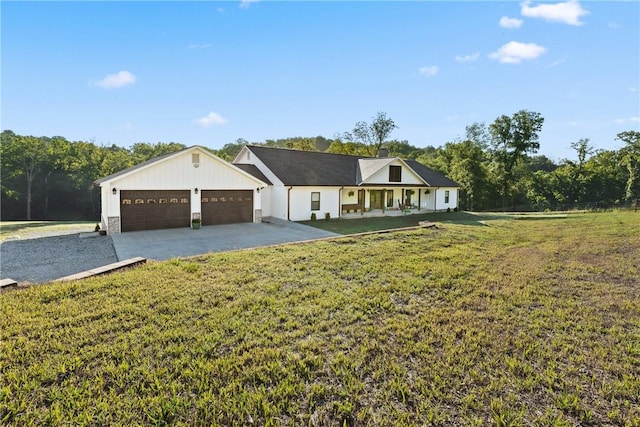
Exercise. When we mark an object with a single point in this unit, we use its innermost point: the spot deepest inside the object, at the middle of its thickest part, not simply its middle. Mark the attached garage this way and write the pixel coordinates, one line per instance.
(154, 209)
(175, 189)
(226, 206)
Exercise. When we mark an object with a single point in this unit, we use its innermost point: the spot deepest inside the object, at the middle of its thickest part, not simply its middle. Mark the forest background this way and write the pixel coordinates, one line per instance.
(497, 166)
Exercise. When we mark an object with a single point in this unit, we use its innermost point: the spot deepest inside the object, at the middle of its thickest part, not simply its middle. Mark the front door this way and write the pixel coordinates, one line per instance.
(376, 199)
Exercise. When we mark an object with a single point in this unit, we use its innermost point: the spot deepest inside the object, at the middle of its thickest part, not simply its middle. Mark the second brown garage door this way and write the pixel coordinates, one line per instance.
(226, 206)
(153, 209)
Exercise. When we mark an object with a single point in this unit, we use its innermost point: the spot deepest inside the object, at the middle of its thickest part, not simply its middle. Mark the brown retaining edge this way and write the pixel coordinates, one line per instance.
(104, 269)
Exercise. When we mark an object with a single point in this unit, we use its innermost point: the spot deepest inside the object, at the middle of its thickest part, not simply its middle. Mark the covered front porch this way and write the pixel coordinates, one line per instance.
(375, 201)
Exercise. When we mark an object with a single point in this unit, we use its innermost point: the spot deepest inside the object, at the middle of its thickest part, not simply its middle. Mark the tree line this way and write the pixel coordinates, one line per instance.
(497, 166)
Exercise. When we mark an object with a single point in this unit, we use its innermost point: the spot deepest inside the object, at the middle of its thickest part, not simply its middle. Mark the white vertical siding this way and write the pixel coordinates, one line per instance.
(180, 173)
(440, 198)
(382, 176)
(300, 198)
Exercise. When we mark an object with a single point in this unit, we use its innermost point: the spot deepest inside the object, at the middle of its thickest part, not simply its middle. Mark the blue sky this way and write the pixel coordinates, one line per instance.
(208, 73)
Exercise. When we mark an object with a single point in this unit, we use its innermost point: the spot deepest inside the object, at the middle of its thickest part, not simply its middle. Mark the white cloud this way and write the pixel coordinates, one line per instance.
(468, 58)
(429, 71)
(635, 119)
(507, 22)
(568, 12)
(516, 52)
(245, 4)
(119, 79)
(556, 63)
(613, 25)
(200, 46)
(210, 119)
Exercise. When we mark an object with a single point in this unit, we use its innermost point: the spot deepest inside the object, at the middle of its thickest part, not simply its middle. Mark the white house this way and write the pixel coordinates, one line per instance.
(193, 184)
(307, 182)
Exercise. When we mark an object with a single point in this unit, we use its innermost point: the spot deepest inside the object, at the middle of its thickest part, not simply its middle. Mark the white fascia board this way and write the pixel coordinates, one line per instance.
(255, 160)
(383, 165)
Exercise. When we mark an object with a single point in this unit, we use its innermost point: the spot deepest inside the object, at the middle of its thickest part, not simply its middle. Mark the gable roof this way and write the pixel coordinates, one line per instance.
(295, 167)
(164, 157)
(138, 166)
(312, 168)
(431, 177)
(253, 170)
(369, 166)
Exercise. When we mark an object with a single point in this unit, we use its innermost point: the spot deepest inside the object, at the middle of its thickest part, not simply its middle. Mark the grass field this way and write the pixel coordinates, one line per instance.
(514, 323)
(27, 229)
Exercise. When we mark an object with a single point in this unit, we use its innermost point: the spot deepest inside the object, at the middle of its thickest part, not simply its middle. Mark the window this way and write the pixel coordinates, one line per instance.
(126, 201)
(151, 201)
(446, 196)
(315, 200)
(395, 173)
(162, 201)
(205, 200)
(139, 201)
(195, 158)
(389, 199)
(173, 200)
(184, 200)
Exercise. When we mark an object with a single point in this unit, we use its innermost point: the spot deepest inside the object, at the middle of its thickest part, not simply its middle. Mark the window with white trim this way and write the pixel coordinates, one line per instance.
(446, 196)
(315, 200)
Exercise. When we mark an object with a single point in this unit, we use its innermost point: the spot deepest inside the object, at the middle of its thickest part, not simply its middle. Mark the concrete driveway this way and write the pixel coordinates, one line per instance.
(182, 242)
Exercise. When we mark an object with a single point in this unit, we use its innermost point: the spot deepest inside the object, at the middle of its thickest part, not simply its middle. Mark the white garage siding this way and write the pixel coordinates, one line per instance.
(176, 172)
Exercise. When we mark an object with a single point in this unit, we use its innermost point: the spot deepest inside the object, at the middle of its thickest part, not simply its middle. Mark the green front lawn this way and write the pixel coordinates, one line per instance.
(362, 225)
(522, 323)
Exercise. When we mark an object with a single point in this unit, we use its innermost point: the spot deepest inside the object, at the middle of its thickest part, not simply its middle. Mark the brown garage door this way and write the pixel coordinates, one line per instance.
(226, 206)
(153, 209)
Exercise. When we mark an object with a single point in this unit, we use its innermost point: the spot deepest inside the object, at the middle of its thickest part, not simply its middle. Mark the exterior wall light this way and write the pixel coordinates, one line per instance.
(114, 191)
(196, 190)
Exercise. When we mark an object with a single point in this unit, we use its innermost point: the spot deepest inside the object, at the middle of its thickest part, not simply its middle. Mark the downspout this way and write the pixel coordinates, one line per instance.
(340, 202)
(289, 203)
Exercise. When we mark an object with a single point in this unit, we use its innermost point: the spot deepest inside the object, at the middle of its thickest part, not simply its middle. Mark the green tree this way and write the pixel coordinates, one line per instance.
(229, 151)
(630, 156)
(372, 134)
(349, 148)
(479, 134)
(578, 174)
(402, 149)
(511, 139)
(23, 156)
(143, 151)
(467, 167)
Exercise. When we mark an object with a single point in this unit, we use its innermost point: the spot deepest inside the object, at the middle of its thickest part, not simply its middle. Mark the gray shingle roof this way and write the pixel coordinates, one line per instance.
(431, 177)
(312, 168)
(254, 171)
